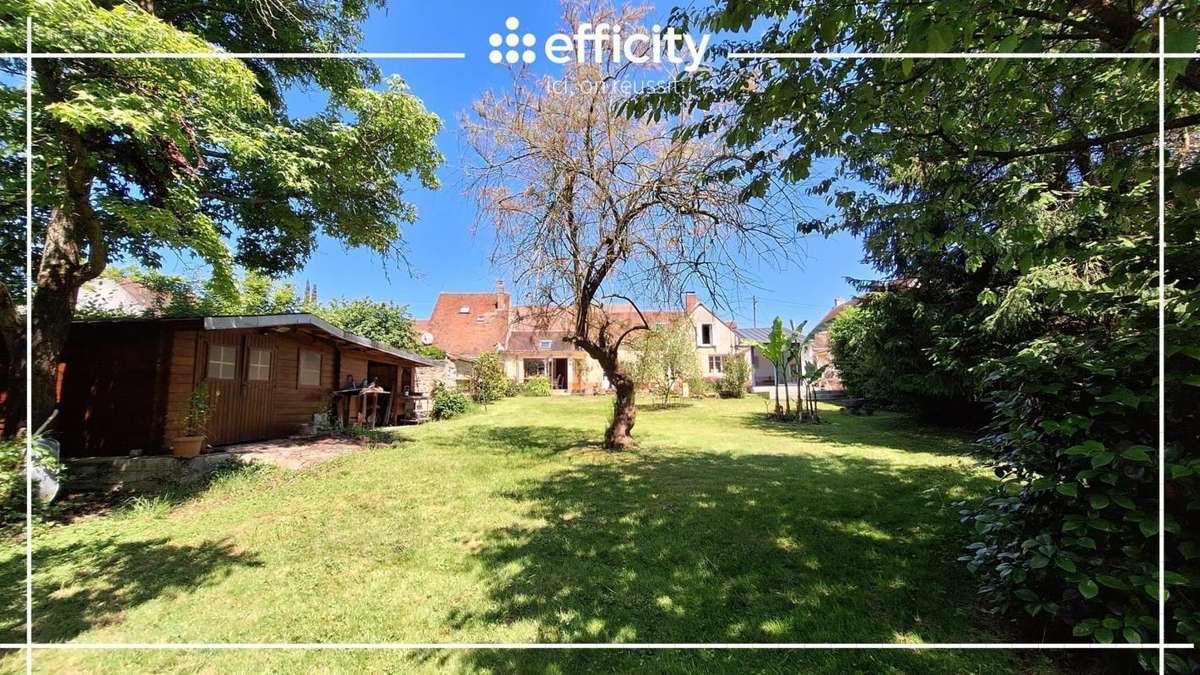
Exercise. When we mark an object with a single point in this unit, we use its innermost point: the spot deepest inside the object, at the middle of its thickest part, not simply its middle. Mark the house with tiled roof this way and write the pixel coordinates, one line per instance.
(121, 297)
(819, 351)
(532, 340)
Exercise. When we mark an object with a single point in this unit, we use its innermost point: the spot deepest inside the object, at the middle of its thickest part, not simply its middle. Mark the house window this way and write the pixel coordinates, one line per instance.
(545, 344)
(706, 334)
(534, 368)
(715, 364)
(464, 310)
(310, 369)
(222, 362)
(259, 368)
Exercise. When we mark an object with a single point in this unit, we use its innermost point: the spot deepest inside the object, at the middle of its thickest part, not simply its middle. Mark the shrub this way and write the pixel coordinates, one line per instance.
(736, 374)
(448, 404)
(12, 480)
(195, 421)
(488, 383)
(513, 388)
(536, 386)
(698, 387)
(1072, 531)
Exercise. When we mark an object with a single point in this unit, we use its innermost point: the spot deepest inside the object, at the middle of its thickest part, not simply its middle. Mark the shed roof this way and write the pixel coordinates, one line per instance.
(281, 321)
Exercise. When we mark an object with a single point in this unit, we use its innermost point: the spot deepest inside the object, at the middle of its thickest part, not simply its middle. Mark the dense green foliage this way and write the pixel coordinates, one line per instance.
(488, 382)
(735, 377)
(12, 484)
(12, 242)
(1182, 387)
(1009, 202)
(381, 321)
(536, 386)
(448, 403)
(885, 350)
(187, 154)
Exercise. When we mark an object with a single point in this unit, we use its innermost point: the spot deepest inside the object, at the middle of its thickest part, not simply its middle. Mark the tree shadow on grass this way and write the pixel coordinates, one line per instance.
(660, 407)
(893, 431)
(112, 576)
(721, 661)
(12, 590)
(535, 441)
(703, 547)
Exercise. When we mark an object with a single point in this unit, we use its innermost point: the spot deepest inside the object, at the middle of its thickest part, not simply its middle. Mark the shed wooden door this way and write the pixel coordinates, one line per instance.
(240, 401)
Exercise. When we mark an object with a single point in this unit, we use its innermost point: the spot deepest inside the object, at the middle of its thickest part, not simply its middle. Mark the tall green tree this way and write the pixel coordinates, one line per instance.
(202, 156)
(776, 350)
(1013, 200)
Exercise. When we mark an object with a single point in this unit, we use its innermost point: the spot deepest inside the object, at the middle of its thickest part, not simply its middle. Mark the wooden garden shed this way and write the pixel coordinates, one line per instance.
(124, 385)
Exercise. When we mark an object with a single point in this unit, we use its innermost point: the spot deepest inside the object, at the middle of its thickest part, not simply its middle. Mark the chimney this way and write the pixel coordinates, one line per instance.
(838, 301)
(501, 297)
(691, 300)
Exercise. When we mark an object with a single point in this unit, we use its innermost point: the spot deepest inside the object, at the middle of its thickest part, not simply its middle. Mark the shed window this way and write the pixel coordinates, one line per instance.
(222, 362)
(310, 369)
(706, 334)
(260, 365)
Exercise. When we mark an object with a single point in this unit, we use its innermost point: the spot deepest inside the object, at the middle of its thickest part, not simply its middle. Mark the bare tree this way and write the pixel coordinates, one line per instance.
(589, 205)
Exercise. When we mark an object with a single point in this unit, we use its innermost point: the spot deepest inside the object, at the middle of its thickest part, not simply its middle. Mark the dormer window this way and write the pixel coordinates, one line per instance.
(480, 319)
(464, 310)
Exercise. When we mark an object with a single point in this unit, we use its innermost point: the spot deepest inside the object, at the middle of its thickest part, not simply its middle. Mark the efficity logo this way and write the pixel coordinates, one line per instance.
(598, 42)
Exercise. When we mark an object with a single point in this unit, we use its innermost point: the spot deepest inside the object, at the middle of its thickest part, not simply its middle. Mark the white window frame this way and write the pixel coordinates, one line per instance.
(545, 344)
(719, 361)
(303, 370)
(257, 371)
(711, 336)
(222, 362)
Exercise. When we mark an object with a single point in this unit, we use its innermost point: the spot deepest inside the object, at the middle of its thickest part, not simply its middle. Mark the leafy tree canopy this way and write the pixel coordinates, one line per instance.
(1009, 202)
(201, 155)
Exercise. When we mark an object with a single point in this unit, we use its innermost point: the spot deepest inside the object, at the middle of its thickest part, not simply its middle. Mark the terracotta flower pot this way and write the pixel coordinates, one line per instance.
(187, 446)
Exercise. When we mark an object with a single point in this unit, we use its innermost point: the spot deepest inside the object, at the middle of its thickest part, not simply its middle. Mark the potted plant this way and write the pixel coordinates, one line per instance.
(195, 425)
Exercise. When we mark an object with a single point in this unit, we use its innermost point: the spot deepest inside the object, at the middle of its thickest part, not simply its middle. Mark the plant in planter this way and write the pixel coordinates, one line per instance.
(195, 425)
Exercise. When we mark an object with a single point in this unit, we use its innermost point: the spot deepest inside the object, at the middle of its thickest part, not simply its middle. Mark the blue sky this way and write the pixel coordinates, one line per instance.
(445, 253)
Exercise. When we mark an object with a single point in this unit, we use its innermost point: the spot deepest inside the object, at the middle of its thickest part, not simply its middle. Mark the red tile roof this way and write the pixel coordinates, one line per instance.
(488, 323)
(479, 329)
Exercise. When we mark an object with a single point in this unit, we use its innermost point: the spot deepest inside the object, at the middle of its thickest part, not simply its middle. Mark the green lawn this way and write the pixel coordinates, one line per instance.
(511, 525)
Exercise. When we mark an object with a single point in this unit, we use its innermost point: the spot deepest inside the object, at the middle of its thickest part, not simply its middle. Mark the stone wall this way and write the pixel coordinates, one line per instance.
(149, 473)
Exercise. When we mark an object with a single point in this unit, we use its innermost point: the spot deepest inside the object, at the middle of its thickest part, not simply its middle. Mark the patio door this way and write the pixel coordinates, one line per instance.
(559, 368)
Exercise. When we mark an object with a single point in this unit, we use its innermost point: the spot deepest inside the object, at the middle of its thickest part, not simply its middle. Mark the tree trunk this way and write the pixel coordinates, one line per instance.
(71, 230)
(787, 394)
(51, 319)
(776, 388)
(618, 436)
(59, 278)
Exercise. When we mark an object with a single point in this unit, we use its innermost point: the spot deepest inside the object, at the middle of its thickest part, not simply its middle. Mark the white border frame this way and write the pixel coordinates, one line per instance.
(1161, 56)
